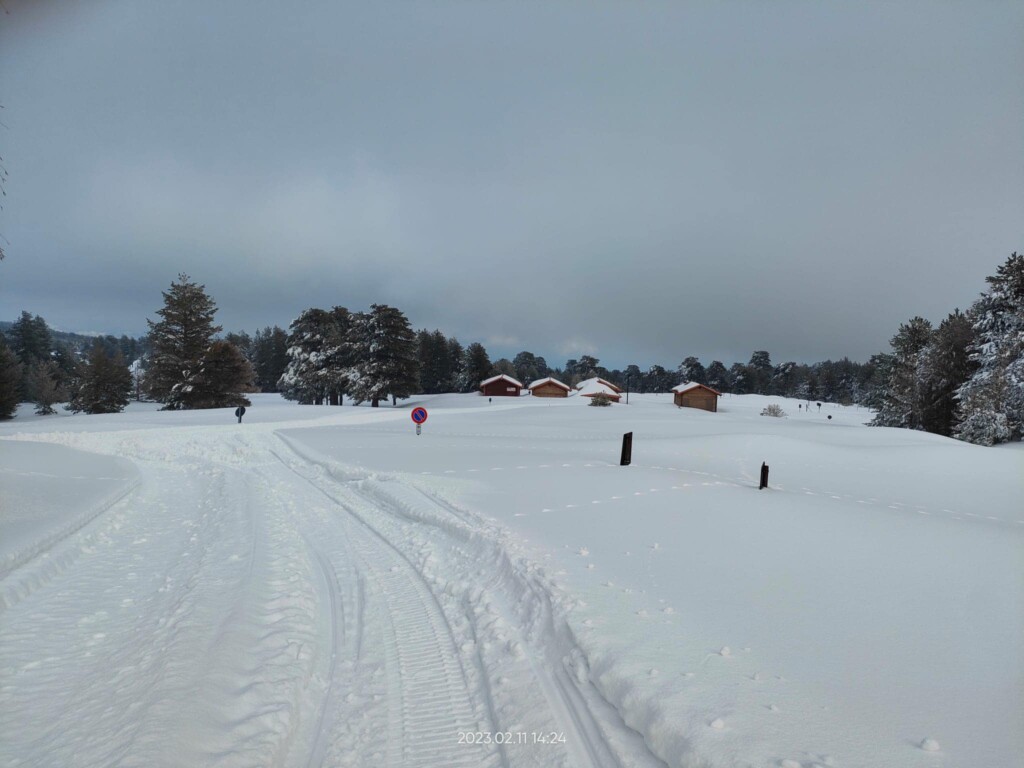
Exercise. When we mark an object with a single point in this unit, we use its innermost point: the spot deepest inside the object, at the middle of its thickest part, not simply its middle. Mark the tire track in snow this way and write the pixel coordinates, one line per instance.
(434, 695)
(558, 669)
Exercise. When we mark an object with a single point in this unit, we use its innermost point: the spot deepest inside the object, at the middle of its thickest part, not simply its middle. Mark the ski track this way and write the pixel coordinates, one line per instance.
(254, 604)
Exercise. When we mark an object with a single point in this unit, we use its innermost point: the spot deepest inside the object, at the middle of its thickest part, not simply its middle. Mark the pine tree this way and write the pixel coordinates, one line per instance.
(179, 341)
(657, 379)
(530, 367)
(30, 339)
(270, 357)
(901, 404)
(382, 348)
(691, 369)
(318, 357)
(10, 381)
(759, 372)
(435, 362)
(223, 376)
(104, 384)
(634, 377)
(991, 401)
(44, 383)
(503, 366)
(943, 367)
(457, 363)
(476, 367)
(740, 379)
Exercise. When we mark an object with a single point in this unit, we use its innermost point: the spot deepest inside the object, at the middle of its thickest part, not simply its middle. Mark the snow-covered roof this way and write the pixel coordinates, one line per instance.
(499, 377)
(593, 387)
(549, 380)
(686, 386)
(597, 380)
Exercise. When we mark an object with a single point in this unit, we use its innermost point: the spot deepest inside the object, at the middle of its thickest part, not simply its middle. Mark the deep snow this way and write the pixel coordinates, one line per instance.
(321, 586)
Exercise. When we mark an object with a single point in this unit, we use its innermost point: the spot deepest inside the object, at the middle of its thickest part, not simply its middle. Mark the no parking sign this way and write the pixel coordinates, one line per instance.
(419, 415)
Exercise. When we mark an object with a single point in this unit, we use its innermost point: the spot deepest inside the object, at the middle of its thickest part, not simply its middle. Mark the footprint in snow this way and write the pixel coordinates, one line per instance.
(718, 724)
(641, 612)
(583, 552)
(930, 745)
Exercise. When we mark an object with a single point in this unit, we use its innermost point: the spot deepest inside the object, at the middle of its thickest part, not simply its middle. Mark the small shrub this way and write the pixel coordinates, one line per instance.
(600, 400)
(773, 410)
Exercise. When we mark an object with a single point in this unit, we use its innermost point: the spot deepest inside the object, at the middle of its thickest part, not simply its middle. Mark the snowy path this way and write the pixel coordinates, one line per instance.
(251, 604)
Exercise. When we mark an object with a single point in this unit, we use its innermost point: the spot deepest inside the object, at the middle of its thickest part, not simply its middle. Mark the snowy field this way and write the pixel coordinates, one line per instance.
(321, 587)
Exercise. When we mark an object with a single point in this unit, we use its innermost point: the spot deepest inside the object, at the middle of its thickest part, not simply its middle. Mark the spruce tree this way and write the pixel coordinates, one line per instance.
(104, 383)
(504, 366)
(10, 381)
(901, 404)
(270, 357)
(179, 340)
(223, 376)
(476, 367)
(383, 354)
(456, 366)
(318, 357)
(943, 367)
(30, 339)
(991, 401)
(691, 369)
(44, 383)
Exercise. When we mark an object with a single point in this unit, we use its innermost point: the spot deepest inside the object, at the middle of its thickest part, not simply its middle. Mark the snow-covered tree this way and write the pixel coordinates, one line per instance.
(222, 377)
(436, 363)
(901, 400)
(476, 367)
(104, 383)
(657, 379)
(382, 349)
(457, 357)
(179, 341)
(991, 401)
(30, 339)
(318, 362)
(503, 366)
(717, 376)
(942, 368)
(691, 369)
(43, 381)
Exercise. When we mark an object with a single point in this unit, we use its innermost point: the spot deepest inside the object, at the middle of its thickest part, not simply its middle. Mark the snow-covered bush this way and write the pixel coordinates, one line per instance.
(773, 410)
(600, 400)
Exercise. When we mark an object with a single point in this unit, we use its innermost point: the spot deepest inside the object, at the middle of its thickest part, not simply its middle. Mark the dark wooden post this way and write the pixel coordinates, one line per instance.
(627, 449)
(764, 477)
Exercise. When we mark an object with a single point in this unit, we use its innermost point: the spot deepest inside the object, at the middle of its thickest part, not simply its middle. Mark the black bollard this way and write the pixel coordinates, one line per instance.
(764, 477)
(627, 449)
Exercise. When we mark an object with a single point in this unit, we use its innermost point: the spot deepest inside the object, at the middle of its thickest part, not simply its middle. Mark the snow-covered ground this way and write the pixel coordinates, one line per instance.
(321, 586)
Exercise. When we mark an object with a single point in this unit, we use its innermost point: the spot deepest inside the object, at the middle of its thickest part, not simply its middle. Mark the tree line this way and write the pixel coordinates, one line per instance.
(964, 378)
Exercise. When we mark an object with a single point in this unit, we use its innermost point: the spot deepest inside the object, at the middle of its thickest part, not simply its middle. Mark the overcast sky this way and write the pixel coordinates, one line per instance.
(639, 181)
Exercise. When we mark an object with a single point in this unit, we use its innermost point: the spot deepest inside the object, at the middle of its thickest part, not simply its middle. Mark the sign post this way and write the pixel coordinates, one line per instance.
(240, 412)
(627, 450)
(419, 415)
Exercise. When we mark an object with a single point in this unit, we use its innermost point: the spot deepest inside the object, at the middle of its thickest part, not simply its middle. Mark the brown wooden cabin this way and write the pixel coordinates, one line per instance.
(693, 395)
(549, 387)
(500, 386)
